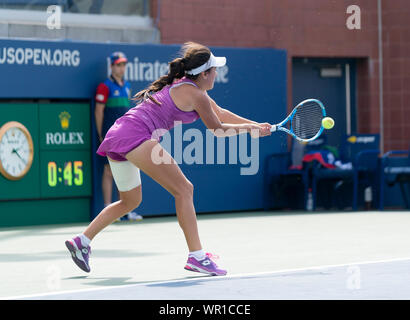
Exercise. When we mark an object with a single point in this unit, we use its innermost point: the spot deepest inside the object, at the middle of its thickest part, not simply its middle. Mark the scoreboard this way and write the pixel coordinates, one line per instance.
(45, 154)
(65, 169)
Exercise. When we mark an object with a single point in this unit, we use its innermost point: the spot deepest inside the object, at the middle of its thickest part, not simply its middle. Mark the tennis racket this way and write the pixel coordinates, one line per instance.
(304, 123)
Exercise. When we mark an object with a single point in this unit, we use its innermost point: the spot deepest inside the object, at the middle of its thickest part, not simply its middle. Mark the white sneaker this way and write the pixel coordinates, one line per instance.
(132, 216)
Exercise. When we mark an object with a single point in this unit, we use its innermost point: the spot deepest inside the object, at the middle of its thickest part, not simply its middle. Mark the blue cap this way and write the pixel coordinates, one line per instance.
(118, 57)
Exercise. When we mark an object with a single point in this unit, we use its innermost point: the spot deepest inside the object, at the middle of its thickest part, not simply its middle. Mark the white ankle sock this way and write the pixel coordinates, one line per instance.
(84, 240)
(198, 255)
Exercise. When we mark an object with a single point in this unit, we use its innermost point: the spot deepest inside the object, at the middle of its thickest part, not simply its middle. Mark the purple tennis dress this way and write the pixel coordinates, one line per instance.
(140, 122)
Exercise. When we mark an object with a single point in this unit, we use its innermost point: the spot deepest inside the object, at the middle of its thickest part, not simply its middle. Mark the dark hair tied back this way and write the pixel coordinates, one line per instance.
(193, 55)
(176, 69)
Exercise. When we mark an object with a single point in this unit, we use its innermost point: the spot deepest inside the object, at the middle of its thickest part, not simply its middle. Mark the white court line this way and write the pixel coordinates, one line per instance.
(203, 278)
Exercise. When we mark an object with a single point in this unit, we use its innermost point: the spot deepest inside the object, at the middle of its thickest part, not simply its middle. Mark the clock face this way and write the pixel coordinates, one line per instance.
(16, 150)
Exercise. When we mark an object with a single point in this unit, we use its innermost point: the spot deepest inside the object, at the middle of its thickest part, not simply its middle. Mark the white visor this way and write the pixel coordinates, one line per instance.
(212, 62)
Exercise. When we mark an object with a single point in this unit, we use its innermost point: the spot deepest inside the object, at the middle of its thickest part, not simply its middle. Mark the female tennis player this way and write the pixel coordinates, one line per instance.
(130, 145)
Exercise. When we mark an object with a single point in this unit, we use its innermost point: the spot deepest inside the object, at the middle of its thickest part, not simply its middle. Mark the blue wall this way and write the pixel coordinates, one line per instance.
(252, 85)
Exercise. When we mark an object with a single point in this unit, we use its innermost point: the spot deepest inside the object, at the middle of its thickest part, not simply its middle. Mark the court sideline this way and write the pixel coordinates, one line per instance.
(258, 249)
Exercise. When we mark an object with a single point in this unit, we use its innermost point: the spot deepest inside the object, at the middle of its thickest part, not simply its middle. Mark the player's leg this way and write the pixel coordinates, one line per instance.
(169, 176)
(129, 200)
(151, 158)
(128, 181)
(107, 184)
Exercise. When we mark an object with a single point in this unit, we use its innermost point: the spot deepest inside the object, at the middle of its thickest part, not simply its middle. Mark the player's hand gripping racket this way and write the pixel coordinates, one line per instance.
(304, 123)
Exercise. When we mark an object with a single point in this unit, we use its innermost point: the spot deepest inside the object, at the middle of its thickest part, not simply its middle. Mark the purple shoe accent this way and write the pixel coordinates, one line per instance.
(189, 268)
(79, 253)
(210, 255)
(204, 266)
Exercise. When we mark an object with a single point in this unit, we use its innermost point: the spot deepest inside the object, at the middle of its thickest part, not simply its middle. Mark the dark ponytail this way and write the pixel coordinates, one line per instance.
(176, 71)
(193, 55)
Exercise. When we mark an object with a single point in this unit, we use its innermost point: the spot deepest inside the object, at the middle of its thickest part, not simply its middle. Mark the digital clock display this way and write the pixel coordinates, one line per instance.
(72, 173)
(65, 173)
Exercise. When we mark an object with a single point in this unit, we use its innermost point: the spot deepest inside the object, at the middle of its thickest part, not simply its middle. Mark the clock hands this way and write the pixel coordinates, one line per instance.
(15, 151)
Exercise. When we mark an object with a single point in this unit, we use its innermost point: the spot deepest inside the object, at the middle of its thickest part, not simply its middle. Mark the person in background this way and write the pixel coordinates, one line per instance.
(112, 100)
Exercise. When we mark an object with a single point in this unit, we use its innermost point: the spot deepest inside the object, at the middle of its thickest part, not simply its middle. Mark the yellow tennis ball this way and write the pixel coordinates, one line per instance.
(328, 123)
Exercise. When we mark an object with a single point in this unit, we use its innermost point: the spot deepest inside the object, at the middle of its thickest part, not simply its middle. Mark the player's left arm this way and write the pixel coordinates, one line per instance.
(227, 116)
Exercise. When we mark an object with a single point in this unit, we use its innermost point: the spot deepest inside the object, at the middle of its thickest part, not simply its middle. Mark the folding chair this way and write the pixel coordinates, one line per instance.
(362, 151)
(279, 173)
(395, 168)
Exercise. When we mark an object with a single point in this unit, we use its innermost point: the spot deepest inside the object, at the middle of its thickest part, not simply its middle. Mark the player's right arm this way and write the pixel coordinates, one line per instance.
(209, 117)
(100, 101)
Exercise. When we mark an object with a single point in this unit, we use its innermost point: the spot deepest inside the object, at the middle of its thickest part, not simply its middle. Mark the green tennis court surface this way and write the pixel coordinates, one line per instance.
(347, 255)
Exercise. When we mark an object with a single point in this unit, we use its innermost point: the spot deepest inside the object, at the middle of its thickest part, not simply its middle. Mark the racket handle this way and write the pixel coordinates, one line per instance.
(273, 128)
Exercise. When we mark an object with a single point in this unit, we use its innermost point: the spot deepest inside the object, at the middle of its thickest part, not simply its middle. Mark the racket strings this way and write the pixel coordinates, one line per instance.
(307, 120)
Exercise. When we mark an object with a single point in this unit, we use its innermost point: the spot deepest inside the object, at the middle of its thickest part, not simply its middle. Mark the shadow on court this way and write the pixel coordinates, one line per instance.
(61, 255)
(121, 281)
(145, 260)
